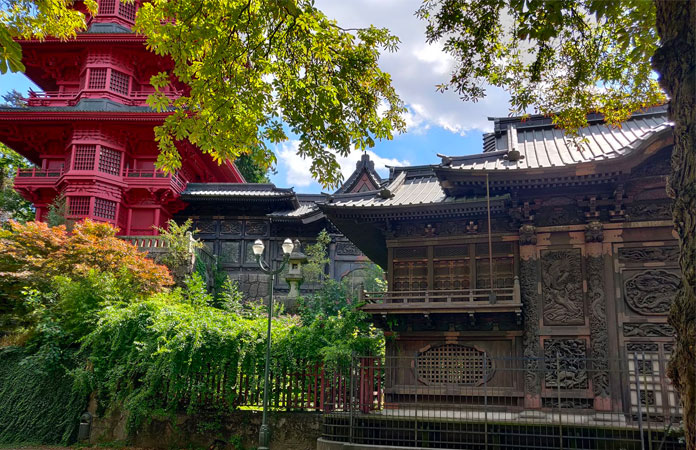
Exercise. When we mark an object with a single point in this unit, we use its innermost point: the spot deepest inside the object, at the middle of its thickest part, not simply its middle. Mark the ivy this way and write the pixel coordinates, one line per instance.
(38, 404)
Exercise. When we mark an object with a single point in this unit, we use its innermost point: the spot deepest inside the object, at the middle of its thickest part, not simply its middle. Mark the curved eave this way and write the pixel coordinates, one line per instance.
(236, 199)
(364, 216)
(71, 116)
(304, 220)
(89, 38)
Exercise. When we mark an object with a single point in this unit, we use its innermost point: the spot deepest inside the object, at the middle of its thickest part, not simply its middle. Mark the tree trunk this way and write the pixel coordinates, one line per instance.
(675, 61)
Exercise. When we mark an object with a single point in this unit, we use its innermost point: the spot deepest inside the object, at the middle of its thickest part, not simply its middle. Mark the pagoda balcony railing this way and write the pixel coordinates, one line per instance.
(154, 177)
(37, 172)
(55, 98)
(37, 177)
(467, 301)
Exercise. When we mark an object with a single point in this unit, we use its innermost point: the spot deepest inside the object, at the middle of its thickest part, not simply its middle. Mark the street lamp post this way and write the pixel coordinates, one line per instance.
(257, 248)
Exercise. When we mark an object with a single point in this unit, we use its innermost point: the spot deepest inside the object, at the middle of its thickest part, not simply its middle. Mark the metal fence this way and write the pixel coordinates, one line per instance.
(477, 401)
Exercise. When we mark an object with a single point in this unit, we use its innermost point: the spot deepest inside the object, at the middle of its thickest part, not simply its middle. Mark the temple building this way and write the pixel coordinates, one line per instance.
(229, 217)
(543, 247)
(90, 133)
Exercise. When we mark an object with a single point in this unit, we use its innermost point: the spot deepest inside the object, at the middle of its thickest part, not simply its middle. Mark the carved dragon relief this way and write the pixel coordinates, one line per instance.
(648, 254)
(562, 287)
(651, 292)
(599, 334)
(566, 359)
(647, 330)
(529, 280)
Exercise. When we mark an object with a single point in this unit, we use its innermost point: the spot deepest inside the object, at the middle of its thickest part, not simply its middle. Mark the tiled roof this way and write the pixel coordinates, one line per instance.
(403, 192)
(538, 141)
(251, 190)
(305, 209)
(544, 146)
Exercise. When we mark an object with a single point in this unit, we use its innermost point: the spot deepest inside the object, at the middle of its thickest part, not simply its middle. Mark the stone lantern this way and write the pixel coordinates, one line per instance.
(294, 274)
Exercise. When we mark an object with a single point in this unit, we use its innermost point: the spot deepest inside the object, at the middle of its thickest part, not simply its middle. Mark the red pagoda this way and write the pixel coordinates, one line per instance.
(90, 132)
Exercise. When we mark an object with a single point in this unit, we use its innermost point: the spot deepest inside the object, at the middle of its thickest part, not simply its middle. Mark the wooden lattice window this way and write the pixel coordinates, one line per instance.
(109, 161)
(106, 209)
(503, 265)
(78, 206)
(107, 7)
(451, 267)
(127, 10)
(410, 252)
(451, 274)
(410, 276)
(453, 364)
(503, 273)
(97, 78)
(84, 157)
(119, 82)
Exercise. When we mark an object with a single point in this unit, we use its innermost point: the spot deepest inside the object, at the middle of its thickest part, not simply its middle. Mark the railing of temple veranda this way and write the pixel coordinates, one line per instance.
(464, 299)
(458, 397)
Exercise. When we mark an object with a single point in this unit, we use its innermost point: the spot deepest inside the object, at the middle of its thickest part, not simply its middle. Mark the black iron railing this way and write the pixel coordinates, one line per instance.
(472, 400)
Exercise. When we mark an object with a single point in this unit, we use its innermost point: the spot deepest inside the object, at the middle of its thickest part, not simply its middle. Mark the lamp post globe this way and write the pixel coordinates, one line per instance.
(258, 247)
(287, 246)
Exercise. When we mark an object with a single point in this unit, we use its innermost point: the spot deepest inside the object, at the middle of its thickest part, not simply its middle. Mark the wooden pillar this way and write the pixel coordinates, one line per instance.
(597, 299)
(529, 290)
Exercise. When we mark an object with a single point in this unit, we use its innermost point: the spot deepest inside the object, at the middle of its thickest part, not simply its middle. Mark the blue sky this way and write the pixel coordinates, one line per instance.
(436, 122)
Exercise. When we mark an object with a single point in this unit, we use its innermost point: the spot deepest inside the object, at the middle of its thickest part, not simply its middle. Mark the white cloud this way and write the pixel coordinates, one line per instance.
(440, 62)
(296, 169)
(418, 67)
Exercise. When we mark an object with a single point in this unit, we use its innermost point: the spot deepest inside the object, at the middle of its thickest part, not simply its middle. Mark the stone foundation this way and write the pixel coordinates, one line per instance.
(291, 431)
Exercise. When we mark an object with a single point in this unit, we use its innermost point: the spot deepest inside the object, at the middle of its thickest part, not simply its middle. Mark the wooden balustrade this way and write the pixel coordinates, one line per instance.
(452, 300)
(37, 172)
(149, 175)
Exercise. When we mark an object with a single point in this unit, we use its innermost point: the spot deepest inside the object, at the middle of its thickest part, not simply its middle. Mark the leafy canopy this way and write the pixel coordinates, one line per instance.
(36, 19)
(254, 69)
(562, 58)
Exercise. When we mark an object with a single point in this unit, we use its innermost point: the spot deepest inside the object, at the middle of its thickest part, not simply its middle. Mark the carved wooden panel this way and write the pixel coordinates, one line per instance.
(529, 280)
(205, 226)
(231, 227)
(650, 292)
(256, 228)
(599, 333)
(647, 330)
(566, 358)
(561, 276)
(649, 210)
(347, 248)
(638, 255)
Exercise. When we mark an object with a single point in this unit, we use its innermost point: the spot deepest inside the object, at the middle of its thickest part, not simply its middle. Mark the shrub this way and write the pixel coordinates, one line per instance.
(33, 254)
